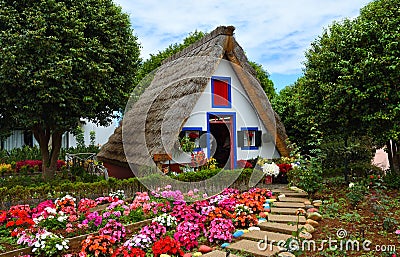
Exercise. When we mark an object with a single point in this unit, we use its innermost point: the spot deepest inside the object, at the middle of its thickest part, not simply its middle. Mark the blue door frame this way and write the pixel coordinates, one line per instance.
(232, 129)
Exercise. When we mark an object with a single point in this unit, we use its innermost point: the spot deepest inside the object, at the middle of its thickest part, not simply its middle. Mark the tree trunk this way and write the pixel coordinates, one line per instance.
(396, 157)
(49, 156)
(393, 156)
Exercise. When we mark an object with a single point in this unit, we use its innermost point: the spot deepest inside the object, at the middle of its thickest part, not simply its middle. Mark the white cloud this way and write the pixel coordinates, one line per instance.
(273, 33)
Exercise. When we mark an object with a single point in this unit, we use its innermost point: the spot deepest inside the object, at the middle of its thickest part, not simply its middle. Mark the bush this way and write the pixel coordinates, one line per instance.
(308, 176)
(392, 180)
(356, 194)
(20, 154)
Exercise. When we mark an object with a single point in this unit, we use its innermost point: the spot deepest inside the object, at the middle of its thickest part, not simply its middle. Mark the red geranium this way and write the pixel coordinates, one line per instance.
(3, 216)
(127, 251)
(193, 135)
(284, 167)
(167, 245)
(244, 164)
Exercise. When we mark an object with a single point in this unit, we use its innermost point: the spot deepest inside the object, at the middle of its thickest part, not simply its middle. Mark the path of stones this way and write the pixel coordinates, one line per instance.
(278, 226)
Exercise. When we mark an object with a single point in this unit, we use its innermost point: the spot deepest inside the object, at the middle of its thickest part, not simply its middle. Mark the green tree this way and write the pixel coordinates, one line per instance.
(265, 81)
(61, 61)
(288, 105)
(156, 60)
(351, 76)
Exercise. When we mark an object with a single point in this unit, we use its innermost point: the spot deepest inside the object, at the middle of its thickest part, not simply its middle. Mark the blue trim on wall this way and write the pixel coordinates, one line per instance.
(249, 147)
(233, 115)
(228, 79)
(192, 128)
(248, 128)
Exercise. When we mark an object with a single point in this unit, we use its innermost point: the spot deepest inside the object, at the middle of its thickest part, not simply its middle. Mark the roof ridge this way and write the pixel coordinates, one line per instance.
(221, 30)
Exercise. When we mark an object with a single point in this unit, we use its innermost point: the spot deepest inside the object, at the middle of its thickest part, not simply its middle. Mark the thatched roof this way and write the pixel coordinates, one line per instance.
(160, 113)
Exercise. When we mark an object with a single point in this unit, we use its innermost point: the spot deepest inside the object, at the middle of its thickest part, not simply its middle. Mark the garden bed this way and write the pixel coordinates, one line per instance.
(372, 215)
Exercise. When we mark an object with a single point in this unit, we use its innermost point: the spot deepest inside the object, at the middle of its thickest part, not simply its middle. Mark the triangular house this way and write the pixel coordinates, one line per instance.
(208, 92)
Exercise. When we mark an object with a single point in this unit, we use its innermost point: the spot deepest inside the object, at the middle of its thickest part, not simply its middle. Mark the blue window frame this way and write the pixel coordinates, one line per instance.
(221, 92)
(193, 133)
(249, 138)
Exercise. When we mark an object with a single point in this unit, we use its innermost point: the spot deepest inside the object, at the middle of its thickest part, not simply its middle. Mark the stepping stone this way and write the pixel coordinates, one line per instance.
(295, 194)
(253, 248)
(279, 227)
(282, 190)
(258, 235)
(218, 253)
(285, 218)
(289, 205)
(293, 199)
(284, 210)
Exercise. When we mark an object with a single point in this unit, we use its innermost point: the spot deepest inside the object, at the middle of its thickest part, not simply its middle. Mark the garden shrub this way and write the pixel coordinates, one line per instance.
(356, 194)
(392, 180)
(308, 176)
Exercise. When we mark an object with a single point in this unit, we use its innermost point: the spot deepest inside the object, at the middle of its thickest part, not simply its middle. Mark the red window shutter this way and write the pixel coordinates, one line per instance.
(221, 93)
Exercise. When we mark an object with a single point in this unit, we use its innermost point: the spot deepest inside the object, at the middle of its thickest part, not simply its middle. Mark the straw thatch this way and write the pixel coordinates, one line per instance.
(153, 121)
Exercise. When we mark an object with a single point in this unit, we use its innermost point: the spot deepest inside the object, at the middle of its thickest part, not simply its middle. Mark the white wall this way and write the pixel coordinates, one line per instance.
(245, 114)
(16, 139)
(102, 133)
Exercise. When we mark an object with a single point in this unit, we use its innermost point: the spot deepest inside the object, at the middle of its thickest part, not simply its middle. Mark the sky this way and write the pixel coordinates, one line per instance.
(273, 33)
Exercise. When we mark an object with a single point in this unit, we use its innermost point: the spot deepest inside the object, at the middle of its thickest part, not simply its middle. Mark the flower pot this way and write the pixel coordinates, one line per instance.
(268, 180)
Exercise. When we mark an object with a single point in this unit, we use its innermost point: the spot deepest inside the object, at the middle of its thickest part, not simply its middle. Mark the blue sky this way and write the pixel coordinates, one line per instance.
(273, 33)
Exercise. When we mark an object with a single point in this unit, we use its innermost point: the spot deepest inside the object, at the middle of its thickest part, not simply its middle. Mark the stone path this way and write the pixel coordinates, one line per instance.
(278, 227)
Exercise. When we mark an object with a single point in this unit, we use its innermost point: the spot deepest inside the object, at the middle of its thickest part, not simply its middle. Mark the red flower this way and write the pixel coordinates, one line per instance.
(3, 216)
(167, 245)
(244, 164)
(128, 252)
(193, 135)
(10, 224)
(284, 167)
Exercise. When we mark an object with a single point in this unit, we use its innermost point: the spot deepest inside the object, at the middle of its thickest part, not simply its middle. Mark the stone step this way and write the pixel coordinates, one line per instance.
(277, 210)
(293, 199)
(218, 253)
(288, 205)
(287, 189)
(285, 218)
(294, 194)
(258, 235)
(279, 227)
(253, 248)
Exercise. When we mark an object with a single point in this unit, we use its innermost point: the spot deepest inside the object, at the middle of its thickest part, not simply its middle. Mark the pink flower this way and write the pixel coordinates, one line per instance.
(397, 232)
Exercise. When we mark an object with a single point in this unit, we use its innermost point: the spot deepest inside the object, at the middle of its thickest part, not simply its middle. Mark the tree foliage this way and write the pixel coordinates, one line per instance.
(350, 86)
(265, 81)
(156, 60)
(352, 73)
(61, 61)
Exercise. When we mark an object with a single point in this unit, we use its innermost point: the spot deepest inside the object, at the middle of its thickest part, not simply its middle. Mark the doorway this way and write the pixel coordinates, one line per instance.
(221, 140)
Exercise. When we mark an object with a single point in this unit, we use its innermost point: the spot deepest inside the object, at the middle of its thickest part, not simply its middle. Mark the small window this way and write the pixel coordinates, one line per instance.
(194, 134)
(249, 138)
(221, 92)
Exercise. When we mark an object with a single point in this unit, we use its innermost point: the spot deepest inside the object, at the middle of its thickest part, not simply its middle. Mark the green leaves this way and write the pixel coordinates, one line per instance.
(351, 76)
(57, 54)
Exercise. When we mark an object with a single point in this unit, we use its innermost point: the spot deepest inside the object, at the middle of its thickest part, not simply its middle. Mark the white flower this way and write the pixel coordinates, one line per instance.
(62, 218)
(50, 210)
(351, 185)
(270, 169)
(59, 247)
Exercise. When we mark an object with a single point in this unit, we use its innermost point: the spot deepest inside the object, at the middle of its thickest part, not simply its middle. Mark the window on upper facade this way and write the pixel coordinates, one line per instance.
(221, 92)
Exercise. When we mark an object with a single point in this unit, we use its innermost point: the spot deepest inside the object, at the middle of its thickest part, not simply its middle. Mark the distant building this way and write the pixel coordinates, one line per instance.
(20, 138)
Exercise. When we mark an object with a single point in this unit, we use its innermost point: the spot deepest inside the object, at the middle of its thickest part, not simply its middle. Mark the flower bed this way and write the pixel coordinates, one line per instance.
(162, 222)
